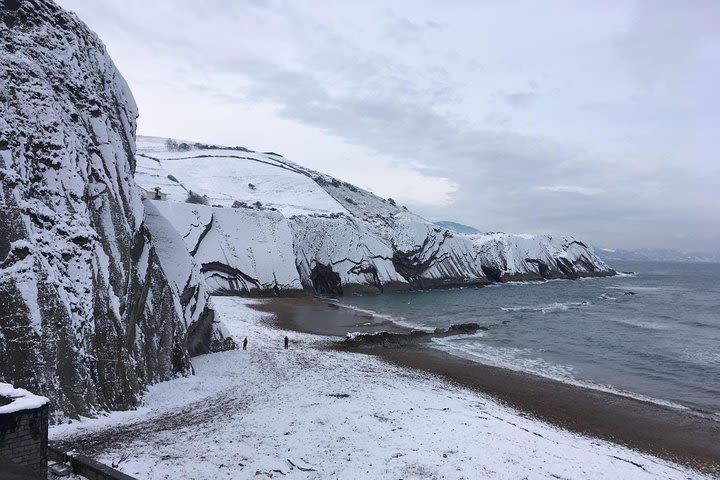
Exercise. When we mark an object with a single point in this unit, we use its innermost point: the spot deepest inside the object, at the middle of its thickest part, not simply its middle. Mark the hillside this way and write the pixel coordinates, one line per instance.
(260, 224)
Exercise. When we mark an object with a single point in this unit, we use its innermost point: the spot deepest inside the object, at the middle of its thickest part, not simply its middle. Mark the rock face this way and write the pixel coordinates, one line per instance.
(413, 337)
(536, 257)
(272, 227)
(88, 315)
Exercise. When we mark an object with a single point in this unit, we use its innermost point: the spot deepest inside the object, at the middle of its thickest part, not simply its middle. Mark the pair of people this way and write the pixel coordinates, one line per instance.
(287, 343)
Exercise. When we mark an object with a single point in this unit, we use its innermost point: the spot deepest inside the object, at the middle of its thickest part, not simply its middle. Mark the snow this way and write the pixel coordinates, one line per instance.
(20, 399)
(257, 242)
(510, 253)
(330, 222)
(227, 176)
(337, 415)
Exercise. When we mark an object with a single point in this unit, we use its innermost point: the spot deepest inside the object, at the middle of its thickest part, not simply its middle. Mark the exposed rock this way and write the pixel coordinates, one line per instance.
(536, 257)
(88, 315)
(389, 339)
(325, 281)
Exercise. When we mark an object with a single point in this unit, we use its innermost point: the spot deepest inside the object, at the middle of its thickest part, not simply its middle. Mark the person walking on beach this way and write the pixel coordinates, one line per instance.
(287, 342)
(245, 344)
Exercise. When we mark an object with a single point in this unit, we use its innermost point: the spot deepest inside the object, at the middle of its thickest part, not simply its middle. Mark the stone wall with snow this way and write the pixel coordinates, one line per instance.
(23, 430)
(88, 316)
(260, 224)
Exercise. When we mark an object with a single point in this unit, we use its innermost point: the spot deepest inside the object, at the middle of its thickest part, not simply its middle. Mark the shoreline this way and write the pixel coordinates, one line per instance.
(666, 432)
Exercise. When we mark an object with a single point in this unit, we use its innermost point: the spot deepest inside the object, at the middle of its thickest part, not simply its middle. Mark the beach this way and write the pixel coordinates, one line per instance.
(316, 411)
(674, 434)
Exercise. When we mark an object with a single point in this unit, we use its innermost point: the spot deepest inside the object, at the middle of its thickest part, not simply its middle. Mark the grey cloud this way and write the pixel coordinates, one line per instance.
(508, 179)
(395, 119)
(404, 30)
(520, 99)
(664, 34)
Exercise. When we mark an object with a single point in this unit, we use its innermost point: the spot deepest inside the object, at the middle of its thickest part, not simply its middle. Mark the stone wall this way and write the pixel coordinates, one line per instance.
(24, 430)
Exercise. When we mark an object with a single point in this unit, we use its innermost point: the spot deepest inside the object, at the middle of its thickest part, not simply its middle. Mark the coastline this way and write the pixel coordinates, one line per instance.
(672, 434)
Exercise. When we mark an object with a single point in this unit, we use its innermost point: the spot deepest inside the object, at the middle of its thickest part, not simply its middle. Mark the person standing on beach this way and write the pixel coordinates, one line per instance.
(287, 342)
(245, 344)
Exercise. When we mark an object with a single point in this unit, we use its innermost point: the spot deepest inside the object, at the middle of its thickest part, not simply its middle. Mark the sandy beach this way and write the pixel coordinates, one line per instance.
(677, 435)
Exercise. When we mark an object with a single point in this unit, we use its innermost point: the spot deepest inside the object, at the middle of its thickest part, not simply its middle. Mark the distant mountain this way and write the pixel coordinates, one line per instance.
(654, 255)
(457, 227)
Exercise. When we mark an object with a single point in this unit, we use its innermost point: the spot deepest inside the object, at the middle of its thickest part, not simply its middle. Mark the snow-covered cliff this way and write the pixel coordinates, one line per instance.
(88, 313)
(260, 224)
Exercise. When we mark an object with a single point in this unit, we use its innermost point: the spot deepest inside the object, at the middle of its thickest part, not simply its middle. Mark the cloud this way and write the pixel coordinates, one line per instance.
(520, 99)
(442, 107)
(405, 30)
(569, 189)
(664, 37)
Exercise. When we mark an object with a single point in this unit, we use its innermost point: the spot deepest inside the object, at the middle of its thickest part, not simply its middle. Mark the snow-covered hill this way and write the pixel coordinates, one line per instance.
(93, 306)
(261, 224)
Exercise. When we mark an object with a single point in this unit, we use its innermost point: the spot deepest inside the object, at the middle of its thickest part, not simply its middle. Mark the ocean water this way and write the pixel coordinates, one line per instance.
(661, 344)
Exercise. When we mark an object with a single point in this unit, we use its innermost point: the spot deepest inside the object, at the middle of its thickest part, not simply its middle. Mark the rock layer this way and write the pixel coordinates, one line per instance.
(88, 316)
(272, 227)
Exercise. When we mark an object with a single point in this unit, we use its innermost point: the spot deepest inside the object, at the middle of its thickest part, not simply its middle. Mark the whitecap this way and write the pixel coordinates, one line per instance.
(553, 307)
(397, 320)
(512, 359)
(640, 323)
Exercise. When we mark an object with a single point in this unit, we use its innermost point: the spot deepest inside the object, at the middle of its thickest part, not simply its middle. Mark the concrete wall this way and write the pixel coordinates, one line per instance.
(24, 438)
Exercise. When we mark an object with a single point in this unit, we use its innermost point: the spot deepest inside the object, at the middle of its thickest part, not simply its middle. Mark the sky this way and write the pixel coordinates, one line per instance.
(597, 119)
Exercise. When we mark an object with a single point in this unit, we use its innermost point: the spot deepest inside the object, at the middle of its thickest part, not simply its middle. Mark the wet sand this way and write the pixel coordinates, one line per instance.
(669, 433)
(322, 317)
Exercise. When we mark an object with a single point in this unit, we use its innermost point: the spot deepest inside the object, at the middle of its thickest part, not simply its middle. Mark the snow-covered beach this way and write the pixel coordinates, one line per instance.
(311, 412)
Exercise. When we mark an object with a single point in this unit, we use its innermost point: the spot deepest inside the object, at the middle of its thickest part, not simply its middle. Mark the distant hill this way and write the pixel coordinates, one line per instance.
(654, 255)
(457, 227)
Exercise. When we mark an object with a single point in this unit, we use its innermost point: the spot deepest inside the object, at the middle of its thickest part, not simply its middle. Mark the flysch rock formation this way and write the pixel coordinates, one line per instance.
(94, 306)
(262, 225)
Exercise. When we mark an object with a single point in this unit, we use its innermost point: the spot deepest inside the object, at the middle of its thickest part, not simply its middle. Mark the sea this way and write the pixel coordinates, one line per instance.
(652, 334)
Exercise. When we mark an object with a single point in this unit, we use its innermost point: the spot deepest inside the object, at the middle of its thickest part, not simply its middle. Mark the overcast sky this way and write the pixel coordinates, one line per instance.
(600, 119)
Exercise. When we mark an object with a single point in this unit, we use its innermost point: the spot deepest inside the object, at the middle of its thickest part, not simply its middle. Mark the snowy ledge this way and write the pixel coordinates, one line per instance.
(17, 399)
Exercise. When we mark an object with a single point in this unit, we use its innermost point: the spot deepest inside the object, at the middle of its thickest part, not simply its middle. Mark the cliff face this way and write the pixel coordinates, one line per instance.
(536, 257)
(264, 225)
(88, 316)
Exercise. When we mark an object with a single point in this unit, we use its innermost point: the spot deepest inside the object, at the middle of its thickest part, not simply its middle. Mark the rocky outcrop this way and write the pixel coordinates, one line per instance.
(239, 250)
(88, 315)
(507, 257)
(413, 337)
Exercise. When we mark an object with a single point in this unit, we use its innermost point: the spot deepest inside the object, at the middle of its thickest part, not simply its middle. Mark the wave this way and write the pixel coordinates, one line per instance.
(701, 357)
(640, 323)
(553, 307)
(696, 323)
(634, 287)
(397, 320)
(625, 274)
(509, 358)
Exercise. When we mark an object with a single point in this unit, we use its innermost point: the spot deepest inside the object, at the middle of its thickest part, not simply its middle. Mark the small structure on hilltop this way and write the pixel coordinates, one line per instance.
(23, 429)
(153, 193)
